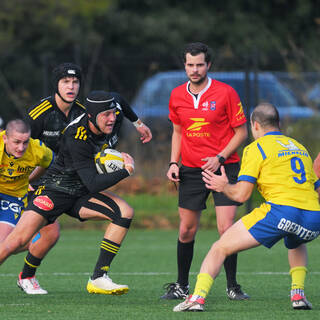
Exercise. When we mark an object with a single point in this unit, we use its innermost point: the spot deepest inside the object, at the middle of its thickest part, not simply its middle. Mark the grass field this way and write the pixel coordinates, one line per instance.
(147, 261)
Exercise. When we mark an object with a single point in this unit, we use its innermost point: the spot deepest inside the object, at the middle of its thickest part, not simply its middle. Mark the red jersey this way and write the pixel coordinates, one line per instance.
(207, 121)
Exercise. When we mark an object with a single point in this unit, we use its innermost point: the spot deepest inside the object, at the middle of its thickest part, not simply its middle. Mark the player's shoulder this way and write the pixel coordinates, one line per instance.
(78, 104)
(35, 146)
(181, 89)
(78, 129)
(222, 86)
(41, 108)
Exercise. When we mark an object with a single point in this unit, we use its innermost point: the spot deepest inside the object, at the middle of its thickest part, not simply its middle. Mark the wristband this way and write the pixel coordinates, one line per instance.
(138, 123)
(171, 163)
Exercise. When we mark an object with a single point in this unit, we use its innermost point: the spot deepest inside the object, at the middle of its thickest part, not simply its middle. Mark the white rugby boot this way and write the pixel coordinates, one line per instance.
(104, 285)
(30, 285)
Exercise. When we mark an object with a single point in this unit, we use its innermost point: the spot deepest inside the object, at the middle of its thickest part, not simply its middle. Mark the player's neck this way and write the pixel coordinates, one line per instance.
(196, 88)
(62, 105)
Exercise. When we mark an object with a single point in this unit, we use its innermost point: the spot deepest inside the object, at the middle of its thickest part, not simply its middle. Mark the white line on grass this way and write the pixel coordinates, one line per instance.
(70, 274)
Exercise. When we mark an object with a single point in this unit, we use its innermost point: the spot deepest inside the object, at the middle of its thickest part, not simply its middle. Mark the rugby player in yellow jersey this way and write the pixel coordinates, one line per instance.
(282, 169)
(19, 156)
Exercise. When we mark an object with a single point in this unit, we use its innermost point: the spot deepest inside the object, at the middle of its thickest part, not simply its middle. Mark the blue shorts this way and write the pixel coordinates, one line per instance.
(11, 209)
(271, 222)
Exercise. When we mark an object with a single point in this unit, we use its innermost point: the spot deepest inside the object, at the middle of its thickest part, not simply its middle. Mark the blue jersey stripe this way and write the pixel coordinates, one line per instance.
(262, 152)
(247, 178)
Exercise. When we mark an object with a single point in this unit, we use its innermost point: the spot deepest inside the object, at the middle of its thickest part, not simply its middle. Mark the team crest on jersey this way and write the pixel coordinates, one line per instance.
(43, 203)
(212, 105)
(10, 171)
(81, 133)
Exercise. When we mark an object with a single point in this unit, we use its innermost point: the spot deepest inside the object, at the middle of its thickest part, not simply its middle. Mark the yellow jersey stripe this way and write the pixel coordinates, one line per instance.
(36, 109)
(35, 113)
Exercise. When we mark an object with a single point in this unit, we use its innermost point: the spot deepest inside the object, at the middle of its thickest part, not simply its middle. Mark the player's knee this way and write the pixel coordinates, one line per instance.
(127, 212)
(187, 233)
(50, 234)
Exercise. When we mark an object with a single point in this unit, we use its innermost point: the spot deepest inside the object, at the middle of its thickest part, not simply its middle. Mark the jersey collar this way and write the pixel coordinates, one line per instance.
(273, 133)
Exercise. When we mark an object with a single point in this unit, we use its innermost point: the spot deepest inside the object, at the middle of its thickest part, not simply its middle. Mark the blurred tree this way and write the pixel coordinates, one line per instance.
(119, 42)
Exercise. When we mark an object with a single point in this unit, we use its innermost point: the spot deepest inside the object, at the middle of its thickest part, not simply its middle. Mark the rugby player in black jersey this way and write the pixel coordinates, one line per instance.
(47, 120)
(73, 186)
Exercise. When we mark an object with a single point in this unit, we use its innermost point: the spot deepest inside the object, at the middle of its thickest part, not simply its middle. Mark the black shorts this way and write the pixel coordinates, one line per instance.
(51, 204)
(193, 193)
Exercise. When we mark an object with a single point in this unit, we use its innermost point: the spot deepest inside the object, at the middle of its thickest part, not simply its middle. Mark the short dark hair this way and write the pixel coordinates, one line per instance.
(266, 114)
(17, 125)
(196, 48)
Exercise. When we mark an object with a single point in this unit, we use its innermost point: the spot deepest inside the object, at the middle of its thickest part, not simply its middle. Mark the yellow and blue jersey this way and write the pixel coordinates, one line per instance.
(283, 171)
(14, 172)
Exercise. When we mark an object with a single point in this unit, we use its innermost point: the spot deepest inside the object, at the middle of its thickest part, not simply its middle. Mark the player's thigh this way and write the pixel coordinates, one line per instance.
(225, 217)
(102, 206)
(189, 218)
(5, 230)
(237, 238)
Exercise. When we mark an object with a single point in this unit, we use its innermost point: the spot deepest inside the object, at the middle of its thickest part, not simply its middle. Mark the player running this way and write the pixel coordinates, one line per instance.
(74, 187)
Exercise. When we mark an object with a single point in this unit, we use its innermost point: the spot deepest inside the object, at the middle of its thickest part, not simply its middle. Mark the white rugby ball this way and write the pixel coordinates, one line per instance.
(108, 161)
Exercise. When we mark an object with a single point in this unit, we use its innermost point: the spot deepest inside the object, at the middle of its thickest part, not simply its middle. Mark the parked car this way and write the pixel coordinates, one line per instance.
(153, 97)
(314, 95)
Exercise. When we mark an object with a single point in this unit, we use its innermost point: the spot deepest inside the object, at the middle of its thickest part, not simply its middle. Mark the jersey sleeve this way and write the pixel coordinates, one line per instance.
(35, 124)
(173, 116)
(253, 155)
(235, 109)
(126, 108)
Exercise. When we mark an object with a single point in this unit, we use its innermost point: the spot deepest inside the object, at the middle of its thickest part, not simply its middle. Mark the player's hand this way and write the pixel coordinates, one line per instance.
(214, 181)
(173, 173)
(128, 163)
(212, 164)
(145, 133)
(316, 165)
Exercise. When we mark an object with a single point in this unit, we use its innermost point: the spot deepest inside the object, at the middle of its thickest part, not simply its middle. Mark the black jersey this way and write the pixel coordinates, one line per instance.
(74, 171)
(123, 110)
(47, 121)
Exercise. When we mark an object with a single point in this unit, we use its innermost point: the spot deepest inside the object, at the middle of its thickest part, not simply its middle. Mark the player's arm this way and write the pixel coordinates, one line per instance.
(240, 192)
(316, 165)
(143, 129)
(173, 172)
(240, 135)
(82, 158)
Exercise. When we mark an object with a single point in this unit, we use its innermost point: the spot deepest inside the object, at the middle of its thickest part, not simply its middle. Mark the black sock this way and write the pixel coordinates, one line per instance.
(184, 257)
(230, 266)
(30, 266)
(108, 250)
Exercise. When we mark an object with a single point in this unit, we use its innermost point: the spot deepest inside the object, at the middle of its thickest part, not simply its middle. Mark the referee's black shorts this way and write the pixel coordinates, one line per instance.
(193, 193)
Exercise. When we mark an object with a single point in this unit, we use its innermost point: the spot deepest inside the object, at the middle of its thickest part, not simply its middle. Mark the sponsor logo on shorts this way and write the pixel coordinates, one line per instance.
(297, 229)
(43, 203)
(8, 205)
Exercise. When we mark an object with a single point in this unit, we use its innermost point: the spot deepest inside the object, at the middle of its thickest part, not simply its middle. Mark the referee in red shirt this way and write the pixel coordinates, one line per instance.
(209, 125)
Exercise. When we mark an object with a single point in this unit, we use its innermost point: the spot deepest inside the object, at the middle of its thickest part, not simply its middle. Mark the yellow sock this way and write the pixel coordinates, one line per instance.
(203, 285)
(298, 276)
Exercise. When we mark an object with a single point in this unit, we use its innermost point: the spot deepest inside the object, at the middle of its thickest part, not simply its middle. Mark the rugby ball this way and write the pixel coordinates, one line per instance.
(108, 161)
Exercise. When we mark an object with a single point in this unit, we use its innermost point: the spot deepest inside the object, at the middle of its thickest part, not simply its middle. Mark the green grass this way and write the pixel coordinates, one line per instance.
(145, 262)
